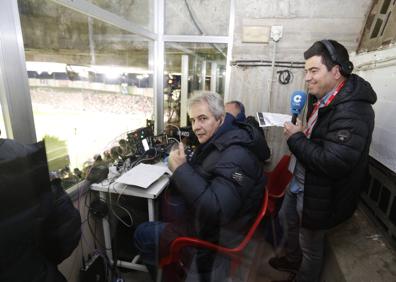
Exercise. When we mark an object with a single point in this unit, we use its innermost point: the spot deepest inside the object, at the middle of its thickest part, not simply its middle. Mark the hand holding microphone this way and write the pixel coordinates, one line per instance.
(297, 103)
(177, 157)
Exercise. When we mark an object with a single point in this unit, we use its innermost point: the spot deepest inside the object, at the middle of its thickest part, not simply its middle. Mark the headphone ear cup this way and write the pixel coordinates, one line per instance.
(346, 68)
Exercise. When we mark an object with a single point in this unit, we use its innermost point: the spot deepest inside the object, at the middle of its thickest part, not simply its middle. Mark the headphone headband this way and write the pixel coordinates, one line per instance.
(346, 67)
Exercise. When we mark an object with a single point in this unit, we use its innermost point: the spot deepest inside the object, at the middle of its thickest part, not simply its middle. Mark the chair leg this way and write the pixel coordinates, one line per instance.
(274, 239)
(159, 275)
(173, 272)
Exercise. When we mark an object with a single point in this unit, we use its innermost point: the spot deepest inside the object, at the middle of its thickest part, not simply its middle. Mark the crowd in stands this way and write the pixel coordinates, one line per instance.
(91, 101)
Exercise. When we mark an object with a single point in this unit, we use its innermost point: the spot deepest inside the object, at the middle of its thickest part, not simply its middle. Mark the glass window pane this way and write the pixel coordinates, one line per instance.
(202, 58)
(140, 12)
(89, 81)
(206, 17)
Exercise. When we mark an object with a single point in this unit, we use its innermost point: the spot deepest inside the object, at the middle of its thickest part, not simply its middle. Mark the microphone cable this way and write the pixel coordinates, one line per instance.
(120, 193)
(178, 130)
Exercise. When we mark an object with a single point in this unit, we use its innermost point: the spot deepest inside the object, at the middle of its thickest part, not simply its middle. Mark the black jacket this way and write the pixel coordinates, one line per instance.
(223, 184)
(39, 225)
(336, 156)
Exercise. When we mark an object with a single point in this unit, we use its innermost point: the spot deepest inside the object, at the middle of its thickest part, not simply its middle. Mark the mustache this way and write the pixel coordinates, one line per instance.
(199, 131)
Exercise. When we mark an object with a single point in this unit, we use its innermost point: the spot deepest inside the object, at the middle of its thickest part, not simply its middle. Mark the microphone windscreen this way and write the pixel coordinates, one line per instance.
(297, 102)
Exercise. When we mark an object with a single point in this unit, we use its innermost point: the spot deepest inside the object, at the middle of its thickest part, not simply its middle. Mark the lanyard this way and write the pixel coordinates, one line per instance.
(314, 116)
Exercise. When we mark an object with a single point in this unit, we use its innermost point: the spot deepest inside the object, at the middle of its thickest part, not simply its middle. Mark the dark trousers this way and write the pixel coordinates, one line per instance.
(146, 239)
(302, 244)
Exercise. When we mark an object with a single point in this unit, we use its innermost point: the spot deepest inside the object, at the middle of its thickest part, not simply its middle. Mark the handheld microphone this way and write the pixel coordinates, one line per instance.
(297, 103)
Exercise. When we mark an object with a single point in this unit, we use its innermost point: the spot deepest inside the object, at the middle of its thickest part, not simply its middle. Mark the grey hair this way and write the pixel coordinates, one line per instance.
(214, 101)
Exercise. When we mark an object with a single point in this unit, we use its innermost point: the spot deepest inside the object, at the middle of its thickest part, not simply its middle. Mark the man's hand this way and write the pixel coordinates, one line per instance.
(177, 157)
(289, 129)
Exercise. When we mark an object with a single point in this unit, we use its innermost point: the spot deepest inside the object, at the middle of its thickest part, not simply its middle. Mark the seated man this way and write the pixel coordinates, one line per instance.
(237, 109)
(221, 188)
(39, 225)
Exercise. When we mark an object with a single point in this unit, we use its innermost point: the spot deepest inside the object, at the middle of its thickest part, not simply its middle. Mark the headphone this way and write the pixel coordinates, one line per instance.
(346, 67)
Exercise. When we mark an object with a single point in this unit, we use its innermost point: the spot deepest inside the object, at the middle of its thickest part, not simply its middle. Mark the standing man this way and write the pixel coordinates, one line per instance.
(331, 157)
(221, 187)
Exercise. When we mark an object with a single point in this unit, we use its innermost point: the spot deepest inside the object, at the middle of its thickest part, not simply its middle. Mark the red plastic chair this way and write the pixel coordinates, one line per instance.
(235, 253)
(277, 182)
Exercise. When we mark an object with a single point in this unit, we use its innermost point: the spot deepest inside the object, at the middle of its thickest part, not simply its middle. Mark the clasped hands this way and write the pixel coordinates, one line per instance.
(177, 157)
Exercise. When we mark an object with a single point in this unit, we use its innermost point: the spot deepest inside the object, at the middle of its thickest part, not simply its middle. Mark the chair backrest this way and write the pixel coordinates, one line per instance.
(279, 177)
(255, 224)
(181, 242)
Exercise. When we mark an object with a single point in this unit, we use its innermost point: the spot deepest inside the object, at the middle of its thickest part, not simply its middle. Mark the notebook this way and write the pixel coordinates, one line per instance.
(272, 119)
(143, 175)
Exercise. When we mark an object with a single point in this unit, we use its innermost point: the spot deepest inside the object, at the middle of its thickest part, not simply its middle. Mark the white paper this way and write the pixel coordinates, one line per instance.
(272, 119)
(143, 175)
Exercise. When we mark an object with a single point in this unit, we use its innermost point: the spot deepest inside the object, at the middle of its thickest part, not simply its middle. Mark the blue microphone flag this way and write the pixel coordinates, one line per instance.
(297, 102)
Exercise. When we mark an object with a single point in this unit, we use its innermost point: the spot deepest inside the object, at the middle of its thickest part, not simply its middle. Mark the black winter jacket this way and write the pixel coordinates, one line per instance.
(39, 226)
(336, 156)
(223, 184)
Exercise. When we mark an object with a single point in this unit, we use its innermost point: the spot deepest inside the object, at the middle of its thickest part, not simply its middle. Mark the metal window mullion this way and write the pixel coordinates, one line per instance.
(203, 75)
(229, 51)
(213, 77)
(15, 94)
(196, 39)
(159, 55)
(184, 90)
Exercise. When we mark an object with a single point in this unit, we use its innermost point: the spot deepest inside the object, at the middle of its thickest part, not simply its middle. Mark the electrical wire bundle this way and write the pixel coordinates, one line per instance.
(285, 76)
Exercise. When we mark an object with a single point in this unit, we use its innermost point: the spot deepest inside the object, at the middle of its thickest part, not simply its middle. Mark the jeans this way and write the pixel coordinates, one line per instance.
(302, 244)
(147, 238)
(206, 266)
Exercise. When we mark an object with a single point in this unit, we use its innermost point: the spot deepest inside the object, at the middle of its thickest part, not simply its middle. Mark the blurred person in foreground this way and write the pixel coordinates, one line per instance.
(330, 164)
(39, 225)
(221, 187)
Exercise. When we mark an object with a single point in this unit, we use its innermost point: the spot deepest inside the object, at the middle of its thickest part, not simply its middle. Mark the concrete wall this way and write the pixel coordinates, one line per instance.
(379, 68)
(191, 17)
(303, 23)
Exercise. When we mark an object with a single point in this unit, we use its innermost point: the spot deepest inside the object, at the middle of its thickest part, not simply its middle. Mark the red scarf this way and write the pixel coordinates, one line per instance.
(314, 115)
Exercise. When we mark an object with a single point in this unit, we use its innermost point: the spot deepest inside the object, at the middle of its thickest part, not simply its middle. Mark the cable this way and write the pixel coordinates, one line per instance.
(120, 206)
(178, 131)
(93, 231)
(285, 76)
(124, 209)
(193, 18)
(141, 159)
(174, 139)
(79, 193)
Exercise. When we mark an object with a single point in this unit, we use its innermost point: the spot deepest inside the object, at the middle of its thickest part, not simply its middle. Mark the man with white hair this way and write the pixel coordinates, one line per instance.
(221, 188)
